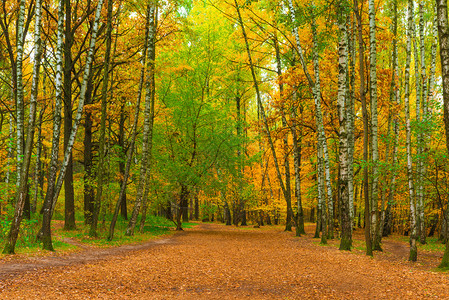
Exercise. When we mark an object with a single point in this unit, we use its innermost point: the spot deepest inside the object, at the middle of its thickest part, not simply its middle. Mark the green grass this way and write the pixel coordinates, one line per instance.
(433, 244)
(154, 227)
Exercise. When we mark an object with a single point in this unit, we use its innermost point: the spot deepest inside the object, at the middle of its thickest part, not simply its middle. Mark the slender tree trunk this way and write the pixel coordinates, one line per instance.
(322, 216)
(129, 159)
(22, 192)
(395, 96)
(351, 120)
(443, 34)
(38, 166)
(322, 142)
(346, 224)
(288, 198)
(421, 139)
(148, 122)
(122, 162)
(69, 195)
(20, 107)
(369, 249)
(374, 137)
(297, 149)
(413, 250)
(260, 105)
(53, 190)
(89, 190)
(102, 142)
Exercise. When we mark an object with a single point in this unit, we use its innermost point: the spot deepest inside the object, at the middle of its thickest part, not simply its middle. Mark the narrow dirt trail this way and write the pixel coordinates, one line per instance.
(219, 262)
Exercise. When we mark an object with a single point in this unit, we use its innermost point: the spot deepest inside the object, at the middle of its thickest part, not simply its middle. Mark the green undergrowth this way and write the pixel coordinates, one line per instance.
(154, 227)
(28, 245)
(432, 244)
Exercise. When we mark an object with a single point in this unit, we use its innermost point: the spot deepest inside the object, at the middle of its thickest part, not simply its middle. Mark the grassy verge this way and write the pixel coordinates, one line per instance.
(63, 240)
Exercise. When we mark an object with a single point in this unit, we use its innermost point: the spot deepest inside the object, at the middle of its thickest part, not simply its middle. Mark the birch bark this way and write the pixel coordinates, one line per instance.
(346, 225)
(129, 159)
(53, 191)
(148, 122)
(25, 158)
(413, 249)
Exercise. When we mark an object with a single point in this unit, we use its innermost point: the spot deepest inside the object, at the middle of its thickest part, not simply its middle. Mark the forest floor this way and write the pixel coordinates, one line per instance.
(212, 261)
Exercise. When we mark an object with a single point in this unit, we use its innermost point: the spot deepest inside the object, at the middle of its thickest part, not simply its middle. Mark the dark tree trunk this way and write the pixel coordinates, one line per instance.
(197, 208)
(227, 214)
(443, 34)
(387, 222)
(183, 202)
(89, 176)
(243, 218)
(318, 223)
(69, 220)
(122, 143)
(312, 215)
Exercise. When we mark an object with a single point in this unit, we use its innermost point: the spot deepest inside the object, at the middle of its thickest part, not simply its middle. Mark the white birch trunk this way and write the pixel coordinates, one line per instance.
(346, 225)
(53, 193)
(413, 250)
(316, 89)
(79, 111)
(374, 129)
(19, 93)
(25, 157)
(147, 124)
(421, 130)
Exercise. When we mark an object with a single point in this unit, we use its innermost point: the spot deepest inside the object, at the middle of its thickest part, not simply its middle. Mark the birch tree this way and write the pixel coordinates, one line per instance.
(102, 142)
(413, 250)
(358, 15)
(129, 157)
(54, 189)
(316, 91)
(148, 122)
(346, 224)
(374, 137)
(25, 166)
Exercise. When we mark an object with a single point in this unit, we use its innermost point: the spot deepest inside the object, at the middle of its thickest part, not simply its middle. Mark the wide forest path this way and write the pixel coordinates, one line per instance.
(213, 261)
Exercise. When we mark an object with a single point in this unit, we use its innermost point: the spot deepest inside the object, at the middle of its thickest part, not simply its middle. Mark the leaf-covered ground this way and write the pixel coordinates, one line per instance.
(219, 262)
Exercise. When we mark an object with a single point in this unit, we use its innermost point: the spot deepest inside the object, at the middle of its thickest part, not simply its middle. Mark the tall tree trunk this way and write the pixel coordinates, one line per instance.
(297, 149)
(122, 162)
(374, 137)
(421, 131)
(369, 249)
(69, 194)
(102, 142)
(413, 250)
(148, 122)
(89, 189)
(20, 107)
(395, 97)
(351, 120)
(129, 159)
(316, 91)
(22, 192)
(346, 224)
(53, 190)
(288, 198)
(322, 213)
(38, 166)
(443, 34)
